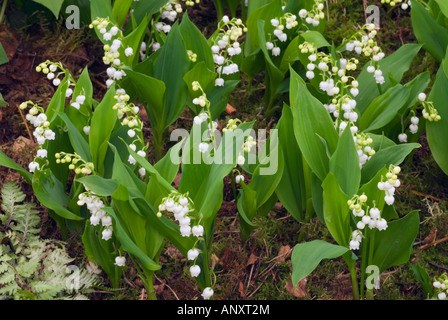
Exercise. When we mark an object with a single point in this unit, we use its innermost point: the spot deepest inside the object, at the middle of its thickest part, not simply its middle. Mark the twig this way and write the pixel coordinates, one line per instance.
(425, 195)
(26, 125)
(434, 243)
(438, 266)
(175, 295)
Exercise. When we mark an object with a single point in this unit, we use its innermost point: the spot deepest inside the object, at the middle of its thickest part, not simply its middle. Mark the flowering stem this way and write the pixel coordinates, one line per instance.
(371, 249)
(2, 12)
(158, 144)
(379, 88)
(351, 265)
(233, 186)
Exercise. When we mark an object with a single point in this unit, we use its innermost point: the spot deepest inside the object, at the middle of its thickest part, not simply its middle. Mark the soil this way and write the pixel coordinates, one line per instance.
(246, 268)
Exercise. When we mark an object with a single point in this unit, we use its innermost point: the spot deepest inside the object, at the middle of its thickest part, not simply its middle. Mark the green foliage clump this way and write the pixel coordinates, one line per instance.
(32, 268)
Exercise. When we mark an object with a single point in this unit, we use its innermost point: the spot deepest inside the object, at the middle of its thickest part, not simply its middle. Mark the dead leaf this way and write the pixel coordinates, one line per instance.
(230, 109)
(214, 261)
(252, 260)
(241, 290)
(176, 180)
(431, 236)
(143, 295)
(300, 291)
(283, 253)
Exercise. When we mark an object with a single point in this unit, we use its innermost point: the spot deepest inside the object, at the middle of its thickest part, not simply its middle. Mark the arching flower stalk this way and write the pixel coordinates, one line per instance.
(225, 46)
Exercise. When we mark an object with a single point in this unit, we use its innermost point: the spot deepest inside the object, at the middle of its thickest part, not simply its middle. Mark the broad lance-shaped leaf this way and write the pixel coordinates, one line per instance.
(428, 32)
(274, 75)
(291, 188)
(336, 211)
(5, 161)
(385, 157)
(129, 245)
(393, 246)
(101, 252)
(170, 67)
(344, 164)
(78, 142)
(438, 131)
(101, 126)
(265, 13)
(396, 64)
(384, 108)
(312, 124)
(53, 5)
(306, 256)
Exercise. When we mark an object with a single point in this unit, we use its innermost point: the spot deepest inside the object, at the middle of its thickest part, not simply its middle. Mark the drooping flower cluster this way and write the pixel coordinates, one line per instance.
(225, 46)
(335, 82)
(182, 208)
(313, 16)
(129, 114)
(364, 216)
(441, 285)
(429, 112)
(363, 42)
(96, 205)
(404, 4)
(42, 132)
(75, 163)
(389, 184)
(204, 115)
(170, 12)
(286, 22)
(362, 144)
(113, 50)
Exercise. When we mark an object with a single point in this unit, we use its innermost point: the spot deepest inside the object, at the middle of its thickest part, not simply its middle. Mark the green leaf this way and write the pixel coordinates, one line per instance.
(148, 8)
(101, 252)
(129, 245)
(306, 256)
(5, 161)
(101, 186)
(196, 42)
(78, 142)
(291, 188)
(51, 193)
(274, 75)
(120, 10)
(443, 5)
(266, 12)
(3, 56)
(101, 126)
(433, 36)
(437, 132)
(344, 164)
(396, 64)
(3, 103)
(422, 276)
(315, 37)
(151, 91)
(311, 123)
(336, 211)
(385, 157)
(393, 246)
(53, 5)
(384, 108)
(170, 67)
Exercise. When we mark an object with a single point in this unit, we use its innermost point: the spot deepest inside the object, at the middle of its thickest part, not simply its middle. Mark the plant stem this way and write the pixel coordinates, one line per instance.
(158, 137)
(354, 282)
(351, 266)
(2, 12)
(233, 186)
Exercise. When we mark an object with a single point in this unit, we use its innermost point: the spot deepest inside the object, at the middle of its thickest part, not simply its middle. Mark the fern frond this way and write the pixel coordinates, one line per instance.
(11, 195)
